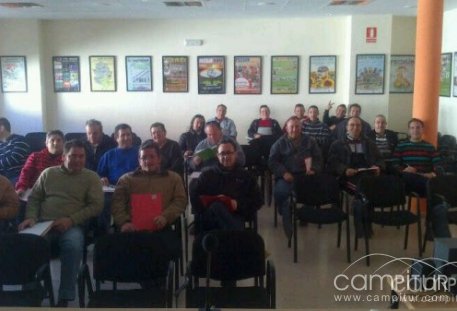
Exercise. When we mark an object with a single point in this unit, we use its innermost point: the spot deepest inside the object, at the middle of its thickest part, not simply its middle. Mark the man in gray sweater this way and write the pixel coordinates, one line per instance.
(69, 195)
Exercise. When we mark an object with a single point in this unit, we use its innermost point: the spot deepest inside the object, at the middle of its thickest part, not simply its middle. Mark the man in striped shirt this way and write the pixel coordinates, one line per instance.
(416, 159)
(13, 152)
(315, 128)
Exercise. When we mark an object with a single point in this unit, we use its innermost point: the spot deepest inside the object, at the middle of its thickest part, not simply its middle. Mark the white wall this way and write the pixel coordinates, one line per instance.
(448, 105)
(24, 110)
(341, 36)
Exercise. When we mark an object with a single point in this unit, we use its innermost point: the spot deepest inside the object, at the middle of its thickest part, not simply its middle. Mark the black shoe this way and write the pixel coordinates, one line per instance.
(62, 303)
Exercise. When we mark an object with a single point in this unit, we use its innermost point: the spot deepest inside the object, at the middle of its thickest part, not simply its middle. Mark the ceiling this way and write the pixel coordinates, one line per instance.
(145, 9)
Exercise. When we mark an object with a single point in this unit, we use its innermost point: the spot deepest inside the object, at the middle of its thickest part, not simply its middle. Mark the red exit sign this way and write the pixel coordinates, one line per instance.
(371, 34)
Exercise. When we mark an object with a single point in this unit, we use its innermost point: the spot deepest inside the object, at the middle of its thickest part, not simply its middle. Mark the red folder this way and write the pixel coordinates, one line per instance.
(208, 199)
(145, 207)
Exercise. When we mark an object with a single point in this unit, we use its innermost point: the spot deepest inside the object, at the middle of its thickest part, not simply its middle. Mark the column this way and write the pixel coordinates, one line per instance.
(428, 65)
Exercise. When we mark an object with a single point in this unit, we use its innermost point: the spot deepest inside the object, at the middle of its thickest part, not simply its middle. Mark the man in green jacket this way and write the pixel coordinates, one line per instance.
(69, 195)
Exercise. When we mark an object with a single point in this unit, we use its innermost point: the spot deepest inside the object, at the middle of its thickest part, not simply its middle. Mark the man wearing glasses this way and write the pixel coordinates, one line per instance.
(225, 196)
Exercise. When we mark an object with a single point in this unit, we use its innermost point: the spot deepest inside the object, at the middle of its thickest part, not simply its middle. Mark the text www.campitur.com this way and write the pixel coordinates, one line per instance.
(395, 298)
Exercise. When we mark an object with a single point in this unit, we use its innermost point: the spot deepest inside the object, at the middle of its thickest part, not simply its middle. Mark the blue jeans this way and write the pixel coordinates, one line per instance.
(217, 216)
(282, 192)
(71, 246)
(438, 218)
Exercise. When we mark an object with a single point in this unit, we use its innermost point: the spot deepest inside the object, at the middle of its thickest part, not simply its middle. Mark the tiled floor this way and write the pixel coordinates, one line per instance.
(310, 282)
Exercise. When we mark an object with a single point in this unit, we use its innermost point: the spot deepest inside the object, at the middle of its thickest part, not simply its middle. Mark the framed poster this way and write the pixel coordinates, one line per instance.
(66, 74)
(247, 75)
(14, 74)
(446, 74)
(284, 74)
(322, 74)
(369, 78)
(138, 70)
(401, 74)
(102, 73)
(211, 74)
(455, 75)
(175, 73)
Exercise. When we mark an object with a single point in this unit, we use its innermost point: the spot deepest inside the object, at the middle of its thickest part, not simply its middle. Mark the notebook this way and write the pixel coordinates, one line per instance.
(145, 208)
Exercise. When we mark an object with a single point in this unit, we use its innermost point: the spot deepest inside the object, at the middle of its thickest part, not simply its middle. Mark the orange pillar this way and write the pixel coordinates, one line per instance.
(429, 26)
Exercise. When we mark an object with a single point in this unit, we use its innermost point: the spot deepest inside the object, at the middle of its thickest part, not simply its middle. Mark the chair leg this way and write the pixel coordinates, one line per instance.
(338, 243)
(294, 233)
(275, 215)
(405, 244)
(348, 240)
(419, 234)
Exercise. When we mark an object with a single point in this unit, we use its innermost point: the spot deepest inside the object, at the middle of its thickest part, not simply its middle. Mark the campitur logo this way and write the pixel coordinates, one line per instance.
(418, 276)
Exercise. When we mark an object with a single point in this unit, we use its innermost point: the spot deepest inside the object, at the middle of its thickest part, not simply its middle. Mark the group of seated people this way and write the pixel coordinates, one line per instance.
(66, 178)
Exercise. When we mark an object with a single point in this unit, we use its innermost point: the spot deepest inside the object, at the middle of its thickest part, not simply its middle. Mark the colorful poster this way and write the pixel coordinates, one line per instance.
(401, 74)
(370, 74)
(248, 75)
(446, 74)
(175, 73)
(139, 73)
(322, 74)
(284, 74)
(14, 74)
(66, 74)
(211, 74)
(102, 73)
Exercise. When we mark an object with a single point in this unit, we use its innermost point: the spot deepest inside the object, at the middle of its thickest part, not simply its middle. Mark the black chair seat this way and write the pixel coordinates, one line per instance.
(125, 299)
(230, 297)
(399, 218)
(452, 217)
(321, 215)
(31, 298)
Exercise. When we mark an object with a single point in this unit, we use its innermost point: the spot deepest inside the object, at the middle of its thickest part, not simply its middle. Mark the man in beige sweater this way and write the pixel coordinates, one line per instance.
(69, 195)
(149, 179)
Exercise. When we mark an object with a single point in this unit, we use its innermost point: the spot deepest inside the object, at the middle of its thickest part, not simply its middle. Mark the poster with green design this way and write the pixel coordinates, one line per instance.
(102, 73)
(284, 74)
(446, 74)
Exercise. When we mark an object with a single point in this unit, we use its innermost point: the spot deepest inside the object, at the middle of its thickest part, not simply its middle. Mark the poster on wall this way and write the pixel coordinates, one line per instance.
(102, 73)
(446, 74)
(14, 74)
(175, 71)
(211, 74)
(138, 70)
(247, 75)
(66, 74)
(369, 74)
(401, 74)
(322, 74)
(455, 75)
(284, 74)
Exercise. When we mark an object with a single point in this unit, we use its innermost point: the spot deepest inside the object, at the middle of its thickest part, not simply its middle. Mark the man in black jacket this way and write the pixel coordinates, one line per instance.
(225, 196)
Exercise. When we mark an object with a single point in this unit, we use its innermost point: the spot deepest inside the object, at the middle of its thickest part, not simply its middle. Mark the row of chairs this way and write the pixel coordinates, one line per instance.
(322, 202)
(147, 259)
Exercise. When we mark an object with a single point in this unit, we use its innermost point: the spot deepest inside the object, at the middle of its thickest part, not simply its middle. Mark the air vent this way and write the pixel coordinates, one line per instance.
(19, 5)
(348, 2)
(183, 3)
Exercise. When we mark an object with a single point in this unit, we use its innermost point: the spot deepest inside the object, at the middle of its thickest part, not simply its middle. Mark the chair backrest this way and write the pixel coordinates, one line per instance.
(383, 190)
(316, 189)
(21, 255)
(238, 255)
(75, 135)
(135, 256)
(36, 140)
(252, 155)
(445, 186)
